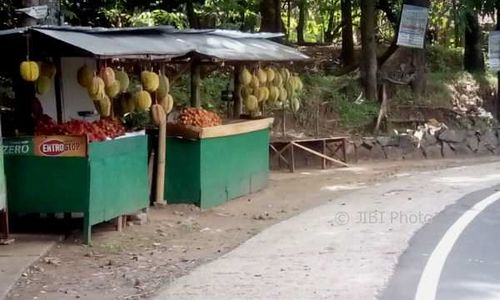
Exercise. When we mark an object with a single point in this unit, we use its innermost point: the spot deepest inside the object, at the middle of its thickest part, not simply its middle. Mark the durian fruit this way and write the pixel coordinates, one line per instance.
(85, 75)
(108, 75)
(150, 81)
(278, 79)
(262, 75)
(274, 94)
(245, 76)
(163, 87)
(167, 103)
(158, 114)
(289, 89)
(142, 100)
(263, 94)
(103, 106)
(285, 74)
(245, 91)
(251, 103)
(295, 104)
(47, 69)
(270, 74)
(123, 79)
(113, 89)
(29, 70)
(106, 107)
(43, 85)
(283, 94)
(96, 88)
(255, 82)
(296, 83)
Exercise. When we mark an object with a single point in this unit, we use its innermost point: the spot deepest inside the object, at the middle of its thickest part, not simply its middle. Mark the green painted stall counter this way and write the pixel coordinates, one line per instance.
(210, 166)
(108, 181)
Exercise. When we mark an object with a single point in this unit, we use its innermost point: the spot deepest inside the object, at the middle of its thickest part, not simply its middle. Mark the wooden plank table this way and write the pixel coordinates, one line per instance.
(280, 147)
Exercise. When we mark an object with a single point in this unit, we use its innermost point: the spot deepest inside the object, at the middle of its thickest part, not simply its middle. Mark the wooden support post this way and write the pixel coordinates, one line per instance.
(119, 223)
(383, 108)
(283, 125)
(195, 84)
(58, 87)
(317, 119)
(237, 107)
(324, 153)
(292, 158)
(344, 149)
(4, 225)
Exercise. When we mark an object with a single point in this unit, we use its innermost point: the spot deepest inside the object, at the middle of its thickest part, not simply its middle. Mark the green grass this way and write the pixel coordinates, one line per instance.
(340, 94)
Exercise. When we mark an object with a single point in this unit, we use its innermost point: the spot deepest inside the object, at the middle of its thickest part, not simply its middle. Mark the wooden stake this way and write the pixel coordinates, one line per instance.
(283, 125)
(383, 108)
(160, 173)
(195, 84)
(236, 96)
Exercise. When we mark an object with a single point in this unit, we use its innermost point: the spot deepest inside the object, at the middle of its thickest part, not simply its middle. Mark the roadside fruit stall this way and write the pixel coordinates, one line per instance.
(82, 159)
(79, 86)
(210, 162)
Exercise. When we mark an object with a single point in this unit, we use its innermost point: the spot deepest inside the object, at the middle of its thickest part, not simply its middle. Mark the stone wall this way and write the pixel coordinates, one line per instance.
(445, 143)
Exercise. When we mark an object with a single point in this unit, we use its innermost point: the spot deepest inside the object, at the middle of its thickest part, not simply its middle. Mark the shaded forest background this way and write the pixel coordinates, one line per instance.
(352, 43)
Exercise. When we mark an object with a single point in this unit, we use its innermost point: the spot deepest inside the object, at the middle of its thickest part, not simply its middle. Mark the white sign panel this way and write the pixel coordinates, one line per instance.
(36, 12)
(413, 26)
(494, 50)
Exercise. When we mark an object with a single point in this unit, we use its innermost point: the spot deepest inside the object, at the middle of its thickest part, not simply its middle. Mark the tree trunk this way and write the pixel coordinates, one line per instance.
(329, 28)
(369, 49)
(302, 21)
(347, 54)
(270, 11)
(473, 54)
(191, 14)
(419, 83)
(458, 42)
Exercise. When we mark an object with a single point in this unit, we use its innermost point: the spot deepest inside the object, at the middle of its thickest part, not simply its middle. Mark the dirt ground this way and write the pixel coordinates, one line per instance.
(137, 262)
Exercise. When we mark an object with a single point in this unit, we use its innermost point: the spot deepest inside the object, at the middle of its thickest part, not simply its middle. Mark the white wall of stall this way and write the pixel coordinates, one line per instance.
(75, 97)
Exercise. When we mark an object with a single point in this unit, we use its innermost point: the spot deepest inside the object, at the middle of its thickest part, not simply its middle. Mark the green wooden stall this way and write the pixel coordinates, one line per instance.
(209, 166)
(108, 182)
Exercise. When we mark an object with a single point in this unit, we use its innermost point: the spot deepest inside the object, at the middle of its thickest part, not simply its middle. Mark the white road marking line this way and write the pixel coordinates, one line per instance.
(427, 286)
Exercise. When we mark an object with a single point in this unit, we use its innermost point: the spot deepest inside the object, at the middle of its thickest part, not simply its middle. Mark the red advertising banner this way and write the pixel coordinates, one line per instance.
(60, 146)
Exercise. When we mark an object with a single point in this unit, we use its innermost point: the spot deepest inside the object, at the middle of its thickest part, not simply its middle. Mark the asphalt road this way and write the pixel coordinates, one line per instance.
(372, 243)
(469, 269)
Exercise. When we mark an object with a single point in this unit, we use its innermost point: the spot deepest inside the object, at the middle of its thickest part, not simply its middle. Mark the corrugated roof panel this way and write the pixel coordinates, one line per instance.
(122, 44)
(165, 42)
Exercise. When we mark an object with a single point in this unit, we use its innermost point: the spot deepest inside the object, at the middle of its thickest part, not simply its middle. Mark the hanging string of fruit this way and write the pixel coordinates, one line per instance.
(269, 86)
(113, 92)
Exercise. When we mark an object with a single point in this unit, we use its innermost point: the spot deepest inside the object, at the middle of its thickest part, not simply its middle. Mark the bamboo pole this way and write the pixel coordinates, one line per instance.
(160, 173)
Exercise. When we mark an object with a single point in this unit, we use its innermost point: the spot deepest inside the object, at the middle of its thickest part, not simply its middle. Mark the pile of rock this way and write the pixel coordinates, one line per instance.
(429, 142)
